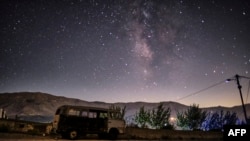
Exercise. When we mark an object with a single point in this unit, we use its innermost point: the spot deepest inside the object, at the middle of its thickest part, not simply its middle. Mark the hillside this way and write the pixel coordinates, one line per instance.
(41, 106)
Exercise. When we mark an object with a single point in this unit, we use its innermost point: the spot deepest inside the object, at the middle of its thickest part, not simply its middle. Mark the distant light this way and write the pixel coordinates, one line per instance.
(172, 119)
(228, 80)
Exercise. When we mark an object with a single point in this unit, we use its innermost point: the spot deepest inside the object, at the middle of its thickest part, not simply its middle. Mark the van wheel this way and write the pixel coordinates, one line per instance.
(113, 133)
(73, 134)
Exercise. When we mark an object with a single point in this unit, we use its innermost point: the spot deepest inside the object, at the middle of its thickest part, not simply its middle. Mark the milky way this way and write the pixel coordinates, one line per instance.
(126, 51)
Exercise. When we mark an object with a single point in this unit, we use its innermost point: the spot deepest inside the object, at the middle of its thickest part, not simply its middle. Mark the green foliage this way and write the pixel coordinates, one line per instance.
(160, 117)
(182, 121)
(142, 118)
(192, 118)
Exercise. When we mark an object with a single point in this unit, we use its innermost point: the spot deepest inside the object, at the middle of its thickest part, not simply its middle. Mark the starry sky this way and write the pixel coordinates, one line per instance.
(127, 50)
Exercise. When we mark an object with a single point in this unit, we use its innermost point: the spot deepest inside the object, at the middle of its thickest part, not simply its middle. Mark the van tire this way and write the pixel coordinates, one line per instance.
(72, 134)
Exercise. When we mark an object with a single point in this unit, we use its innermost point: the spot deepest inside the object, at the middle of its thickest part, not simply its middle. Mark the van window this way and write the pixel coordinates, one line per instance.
(74, 112)
(92, 114)
(103, 115)
(84, 114)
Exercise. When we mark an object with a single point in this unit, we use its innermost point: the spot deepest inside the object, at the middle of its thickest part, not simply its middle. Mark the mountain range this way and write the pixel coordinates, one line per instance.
(40, 107)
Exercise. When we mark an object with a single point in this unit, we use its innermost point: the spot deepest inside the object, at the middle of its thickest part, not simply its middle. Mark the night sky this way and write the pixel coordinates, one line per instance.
(127, 51)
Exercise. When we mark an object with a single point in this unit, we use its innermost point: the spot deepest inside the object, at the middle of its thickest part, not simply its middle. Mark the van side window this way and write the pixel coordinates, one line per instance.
(103, 115)
(74, 112)
(84, 114)
(92, 114)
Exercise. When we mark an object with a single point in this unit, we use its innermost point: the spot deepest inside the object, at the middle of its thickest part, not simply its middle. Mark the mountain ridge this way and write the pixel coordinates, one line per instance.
(38, 104)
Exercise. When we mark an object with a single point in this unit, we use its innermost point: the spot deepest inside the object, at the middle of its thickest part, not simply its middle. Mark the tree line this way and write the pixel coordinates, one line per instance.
(194, 118)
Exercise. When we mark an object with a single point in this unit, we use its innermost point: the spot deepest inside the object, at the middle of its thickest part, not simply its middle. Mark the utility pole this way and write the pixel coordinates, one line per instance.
(243, 105)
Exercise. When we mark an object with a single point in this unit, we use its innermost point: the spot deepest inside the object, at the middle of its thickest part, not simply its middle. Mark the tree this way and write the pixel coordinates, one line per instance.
(230, 118)
(192, 118)
(182, 121)
(216, 121)
(160, 117)
(120, 111)
(142, 118)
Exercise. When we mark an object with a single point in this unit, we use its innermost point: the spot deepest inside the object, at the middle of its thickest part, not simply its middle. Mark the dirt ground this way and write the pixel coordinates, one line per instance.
(23, 136)
(131, 134)
(136, 133)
